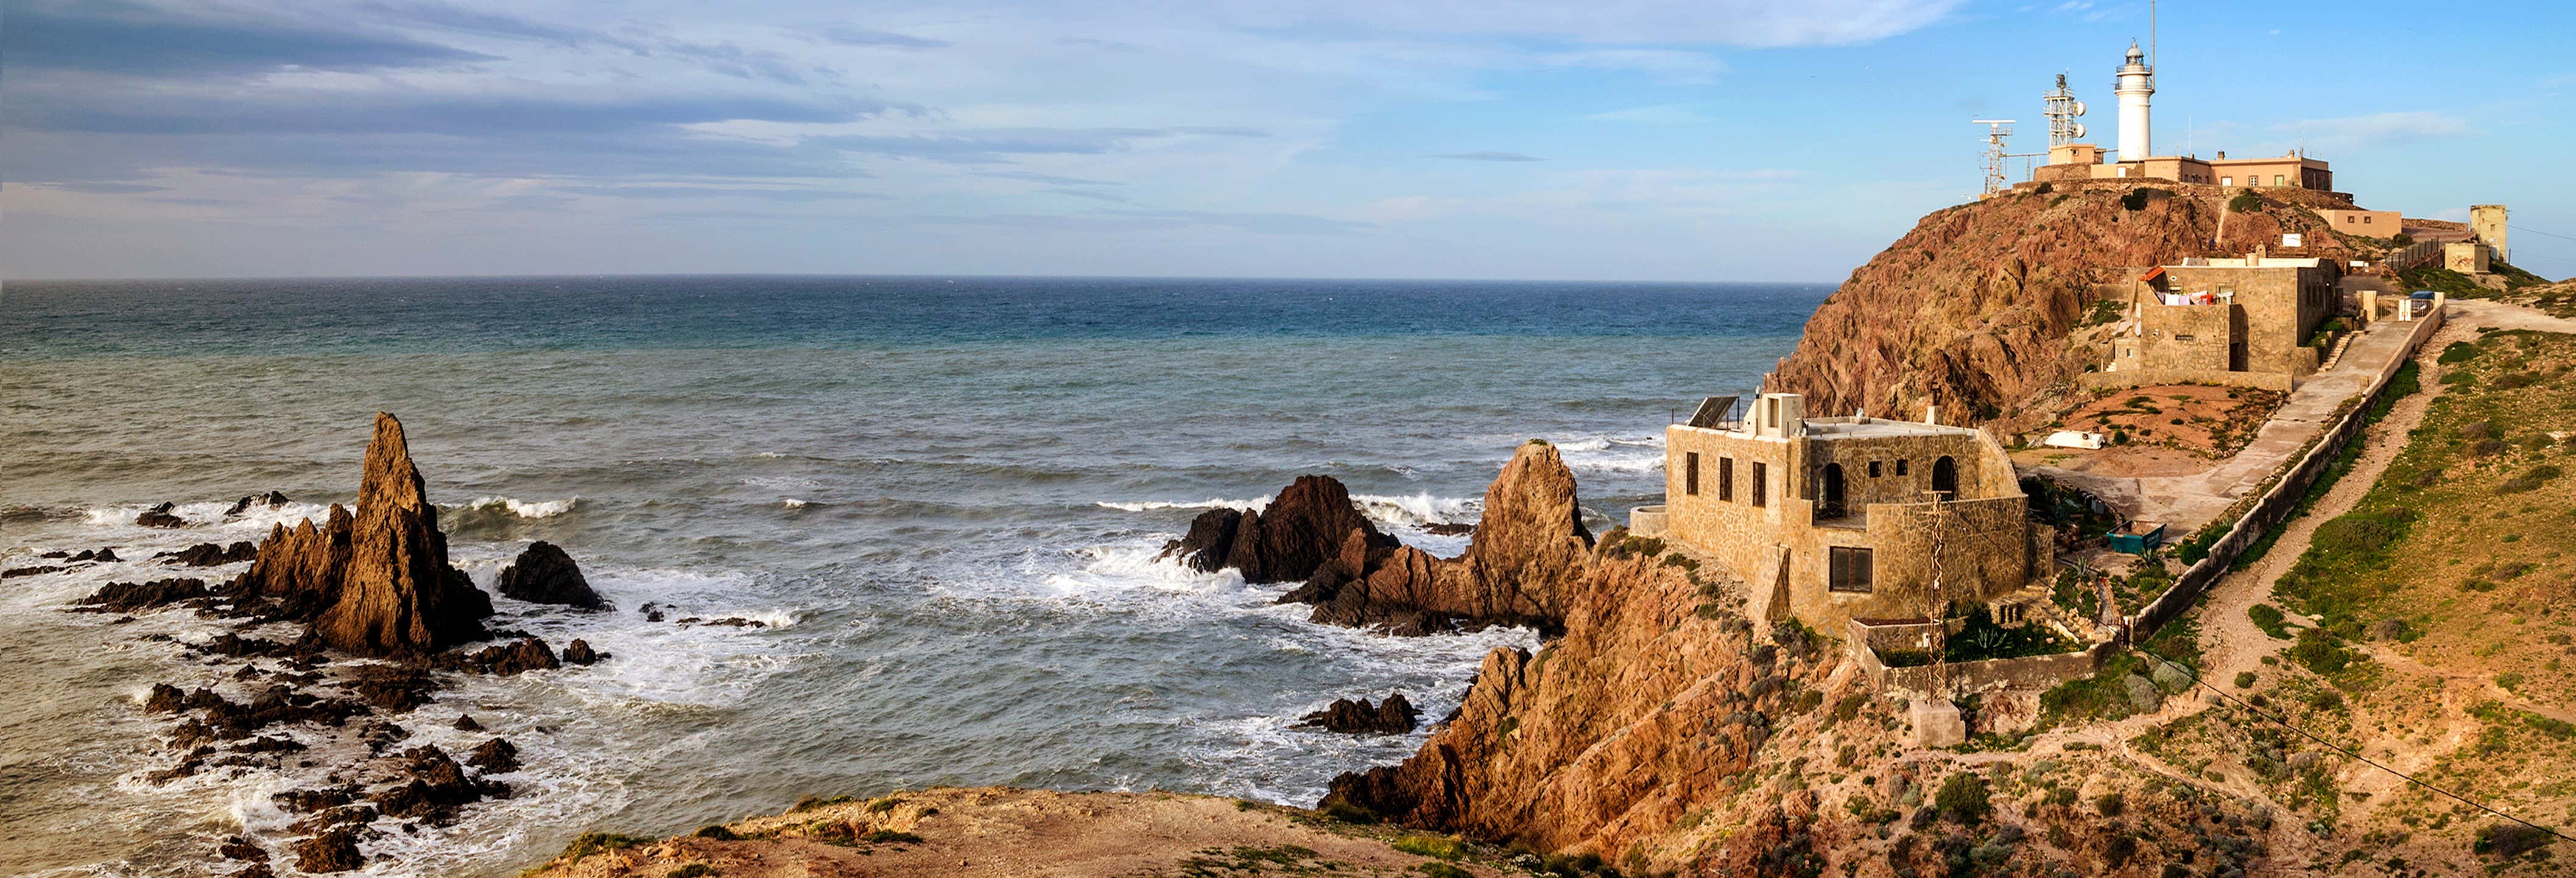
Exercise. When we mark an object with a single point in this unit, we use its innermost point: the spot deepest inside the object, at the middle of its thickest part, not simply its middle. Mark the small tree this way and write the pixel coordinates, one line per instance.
(1963, 798)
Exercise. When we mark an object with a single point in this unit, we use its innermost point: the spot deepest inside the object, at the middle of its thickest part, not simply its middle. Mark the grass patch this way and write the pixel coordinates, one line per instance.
(2268, 618)
(589, 843)
(1432, 846)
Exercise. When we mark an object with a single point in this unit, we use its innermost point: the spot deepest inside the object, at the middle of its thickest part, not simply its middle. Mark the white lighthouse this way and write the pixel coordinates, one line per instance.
(2136, 82)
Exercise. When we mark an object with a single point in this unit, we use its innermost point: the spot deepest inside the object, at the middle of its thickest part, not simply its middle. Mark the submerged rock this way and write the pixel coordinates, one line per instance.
(579, 652)
(38, 570)
(159, 516)
(544, 574)
(524, 654)
(496, 756)
(271, 500)
(1393, 717)
(127, 597)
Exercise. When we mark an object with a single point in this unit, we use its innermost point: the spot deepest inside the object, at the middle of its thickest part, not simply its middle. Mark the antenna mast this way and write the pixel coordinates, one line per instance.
(1996, 131)
(2062, 108)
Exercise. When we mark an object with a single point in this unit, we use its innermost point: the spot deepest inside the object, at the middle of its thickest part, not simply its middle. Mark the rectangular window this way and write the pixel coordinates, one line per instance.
(1848, 569)
(2227, 181)
(1873, 469)
(1726, 479)
(1690, 473)
(2276, 179)
(2365, 219)
(2182, 336)
(1900, 466)
(1761, 483)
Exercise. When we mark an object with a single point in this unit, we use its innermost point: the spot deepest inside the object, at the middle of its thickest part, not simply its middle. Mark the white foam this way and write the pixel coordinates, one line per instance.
(1420, 509)
(792, 503)
(524, 509)
(1210, 503)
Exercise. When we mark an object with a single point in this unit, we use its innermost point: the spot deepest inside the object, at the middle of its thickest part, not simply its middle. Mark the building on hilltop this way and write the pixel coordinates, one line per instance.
(2243, 322)
(1833, 519)
(2136, 158)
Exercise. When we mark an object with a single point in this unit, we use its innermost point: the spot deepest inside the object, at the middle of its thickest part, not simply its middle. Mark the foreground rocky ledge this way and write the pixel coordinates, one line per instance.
(997, 831)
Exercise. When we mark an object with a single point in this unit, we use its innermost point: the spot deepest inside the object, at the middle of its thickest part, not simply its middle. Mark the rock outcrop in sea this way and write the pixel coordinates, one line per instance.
(375, 582)
(1394, 716)
(1516, 570)
(543, 574)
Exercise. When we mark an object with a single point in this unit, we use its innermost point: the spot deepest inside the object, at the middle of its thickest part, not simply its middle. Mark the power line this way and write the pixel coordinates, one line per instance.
(2365, 760)
(2538, 232)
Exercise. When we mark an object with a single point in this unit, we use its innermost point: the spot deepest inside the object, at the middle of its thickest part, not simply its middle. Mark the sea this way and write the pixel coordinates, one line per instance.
(944, 497)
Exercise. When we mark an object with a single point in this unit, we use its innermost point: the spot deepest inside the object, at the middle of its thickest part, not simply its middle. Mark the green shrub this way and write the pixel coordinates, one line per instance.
(2110, 804)
(1964, 798)
(1337, 808)
(2268, 618)
(693, 870)
(2244, 679)
(718, 832)
(2510, 840)
(2457, 352)
(2137, 198)
(883, 805)
(883, 836)
(2043, 189)
(2245, 202)
(2323, 653)
(1430, 846)
(1443, 870)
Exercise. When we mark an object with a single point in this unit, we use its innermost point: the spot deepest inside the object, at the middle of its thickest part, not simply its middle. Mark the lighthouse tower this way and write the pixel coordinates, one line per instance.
(2136, 82)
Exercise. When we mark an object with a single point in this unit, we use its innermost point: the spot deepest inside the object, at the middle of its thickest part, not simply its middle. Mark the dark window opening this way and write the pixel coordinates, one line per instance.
(1900, 467)
(1726, 479)
(1945, 476)
(1690, 473)
(1873, 469)
(1831, 505)
(1849, 569)
(1761, 484)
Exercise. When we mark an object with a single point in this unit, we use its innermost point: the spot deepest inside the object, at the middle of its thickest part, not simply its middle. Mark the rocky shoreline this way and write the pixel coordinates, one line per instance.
(381, 622)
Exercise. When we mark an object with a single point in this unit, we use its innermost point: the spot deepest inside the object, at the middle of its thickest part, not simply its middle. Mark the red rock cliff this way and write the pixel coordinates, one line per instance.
(1972, 309)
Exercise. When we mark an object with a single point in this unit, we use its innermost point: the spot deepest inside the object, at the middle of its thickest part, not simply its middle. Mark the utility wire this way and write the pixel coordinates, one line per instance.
(2539, 232)
(2249, 708)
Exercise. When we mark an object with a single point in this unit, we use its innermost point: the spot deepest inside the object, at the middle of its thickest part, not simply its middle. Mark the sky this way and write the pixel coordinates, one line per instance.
(1684, 140)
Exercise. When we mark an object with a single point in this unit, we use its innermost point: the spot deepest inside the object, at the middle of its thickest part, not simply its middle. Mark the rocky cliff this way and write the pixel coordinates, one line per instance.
(1973, 309)
(374, 582)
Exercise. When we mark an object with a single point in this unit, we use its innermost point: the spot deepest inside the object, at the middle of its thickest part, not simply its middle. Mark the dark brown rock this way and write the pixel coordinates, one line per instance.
(579, 652)
(544, 574)
(392, 688)
(496, 756)
(1529, 554)
(466, 723)
(1211, 536)
(239, 848)
(159, 516)
(524, 654)
(1394, 717)
(333, 851)
(209, 554)
(39, 570)
(127, 597)
(165, 698)
(435, 787)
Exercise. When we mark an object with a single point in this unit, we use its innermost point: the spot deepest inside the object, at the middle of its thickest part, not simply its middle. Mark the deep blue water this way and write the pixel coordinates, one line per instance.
(947, 493)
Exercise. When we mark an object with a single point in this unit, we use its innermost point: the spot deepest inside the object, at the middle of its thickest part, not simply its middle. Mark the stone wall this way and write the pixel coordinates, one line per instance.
(2029, 673)
(1784, 554)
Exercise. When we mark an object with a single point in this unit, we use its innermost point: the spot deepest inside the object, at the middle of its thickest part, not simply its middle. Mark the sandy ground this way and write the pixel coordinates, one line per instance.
(2187, 501)
(992, 831)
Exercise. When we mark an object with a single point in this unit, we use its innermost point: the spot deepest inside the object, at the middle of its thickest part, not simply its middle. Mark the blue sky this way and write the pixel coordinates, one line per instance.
(1617, 139)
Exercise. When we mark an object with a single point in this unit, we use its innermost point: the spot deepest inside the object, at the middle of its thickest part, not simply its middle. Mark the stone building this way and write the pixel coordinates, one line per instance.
(2243, 322)
(2136, 158)
(1832, 519)
(2465, 257)
(2364, 223)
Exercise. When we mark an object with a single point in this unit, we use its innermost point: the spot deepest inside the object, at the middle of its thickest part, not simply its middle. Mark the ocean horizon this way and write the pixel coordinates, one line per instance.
(942, 499)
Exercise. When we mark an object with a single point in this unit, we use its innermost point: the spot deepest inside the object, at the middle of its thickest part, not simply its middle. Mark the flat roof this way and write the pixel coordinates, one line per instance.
(1872, 428)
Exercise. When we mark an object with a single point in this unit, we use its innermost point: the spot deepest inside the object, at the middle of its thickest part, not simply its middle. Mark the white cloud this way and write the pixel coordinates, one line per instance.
(2357, 133)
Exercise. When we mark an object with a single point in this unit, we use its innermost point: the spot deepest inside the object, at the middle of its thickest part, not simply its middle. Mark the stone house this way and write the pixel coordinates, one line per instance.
(1831, 519)
(2243, 322)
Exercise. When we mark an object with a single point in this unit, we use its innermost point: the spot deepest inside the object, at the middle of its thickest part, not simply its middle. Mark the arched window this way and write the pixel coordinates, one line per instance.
(1829, 492)
(1945, 476)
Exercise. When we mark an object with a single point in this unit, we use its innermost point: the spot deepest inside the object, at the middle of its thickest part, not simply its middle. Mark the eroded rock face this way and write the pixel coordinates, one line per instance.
(544, 574)
(210, 554)
(333, 851)
(1973, 308)
(271, 500)
(1395, 716)
(128, 597)
(374, 582)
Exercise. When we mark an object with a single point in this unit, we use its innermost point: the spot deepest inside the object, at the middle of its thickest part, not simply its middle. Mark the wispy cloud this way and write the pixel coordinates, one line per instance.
(1487, 157)
(1659, 114)
(2356, 133)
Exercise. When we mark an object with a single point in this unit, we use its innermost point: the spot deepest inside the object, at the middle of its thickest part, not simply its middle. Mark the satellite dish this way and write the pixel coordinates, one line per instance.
(2077, 131)
(2078, 108)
